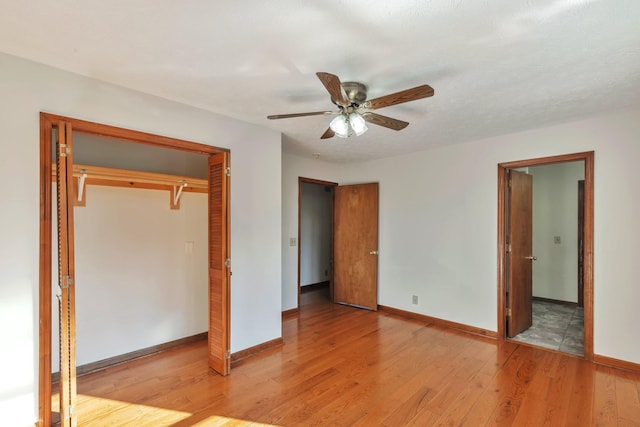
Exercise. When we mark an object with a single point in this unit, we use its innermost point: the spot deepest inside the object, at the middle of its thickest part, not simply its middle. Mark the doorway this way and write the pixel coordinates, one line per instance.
(541, 260)
(353, 232)
(218, 247)
(315, 236)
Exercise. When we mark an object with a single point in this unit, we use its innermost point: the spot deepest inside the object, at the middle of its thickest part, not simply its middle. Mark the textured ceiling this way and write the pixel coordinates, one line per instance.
(496, 65)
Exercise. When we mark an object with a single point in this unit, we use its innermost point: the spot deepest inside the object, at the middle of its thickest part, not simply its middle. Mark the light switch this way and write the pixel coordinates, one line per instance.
(293, 241)
(188, 247)
(557, 240)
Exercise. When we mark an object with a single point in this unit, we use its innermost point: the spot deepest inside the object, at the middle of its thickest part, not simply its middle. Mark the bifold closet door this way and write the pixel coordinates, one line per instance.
(219, 264)
(66, 275)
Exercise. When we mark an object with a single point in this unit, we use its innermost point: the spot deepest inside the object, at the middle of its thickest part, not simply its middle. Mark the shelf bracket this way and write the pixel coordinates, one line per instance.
(176, 192)
(81, 189)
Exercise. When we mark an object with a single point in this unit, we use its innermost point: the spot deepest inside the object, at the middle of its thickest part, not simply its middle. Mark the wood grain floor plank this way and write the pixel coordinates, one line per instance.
(511, 384)
(559, 389)
(605, 407)
(537, 407)
(580, 402)
(628, 402)
(458, 412)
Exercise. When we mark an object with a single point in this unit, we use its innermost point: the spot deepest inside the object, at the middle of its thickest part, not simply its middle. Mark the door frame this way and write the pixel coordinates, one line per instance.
(581, 243)
(47, 122)
(588, 158)
(303, 180)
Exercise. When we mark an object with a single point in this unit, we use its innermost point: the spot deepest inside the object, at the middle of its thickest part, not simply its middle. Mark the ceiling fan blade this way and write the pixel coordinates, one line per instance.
(332, 83)
(287, 116)
(327, 134)
(385, 121)
(407, 95)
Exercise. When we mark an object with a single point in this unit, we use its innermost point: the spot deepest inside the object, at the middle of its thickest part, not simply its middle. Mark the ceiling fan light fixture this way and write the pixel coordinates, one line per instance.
(340, 126)
(357, 123)
(351, 98)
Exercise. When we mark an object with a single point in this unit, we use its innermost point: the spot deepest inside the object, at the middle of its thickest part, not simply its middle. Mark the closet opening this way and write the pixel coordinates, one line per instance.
(68, 179)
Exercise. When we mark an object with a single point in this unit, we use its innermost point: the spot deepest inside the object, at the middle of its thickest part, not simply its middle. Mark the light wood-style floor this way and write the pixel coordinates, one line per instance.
(342, 366)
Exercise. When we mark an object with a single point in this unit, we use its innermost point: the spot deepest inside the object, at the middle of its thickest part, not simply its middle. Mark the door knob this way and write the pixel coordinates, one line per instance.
(532, 258)
(373, 252)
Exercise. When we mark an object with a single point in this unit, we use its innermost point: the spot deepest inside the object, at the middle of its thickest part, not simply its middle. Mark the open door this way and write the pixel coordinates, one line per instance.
(66, 275)
(520, 257)
(356, 245)
(219, 264)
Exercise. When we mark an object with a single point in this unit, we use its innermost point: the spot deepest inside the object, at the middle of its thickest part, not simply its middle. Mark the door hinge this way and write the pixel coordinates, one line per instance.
(509, 312)
(227, 170)
(508, 247)
(66, 282)
(64, 150)
(227, 262)
(228, 354)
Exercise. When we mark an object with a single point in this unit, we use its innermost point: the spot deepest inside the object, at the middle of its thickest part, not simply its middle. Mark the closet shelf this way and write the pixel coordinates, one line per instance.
(96, 175)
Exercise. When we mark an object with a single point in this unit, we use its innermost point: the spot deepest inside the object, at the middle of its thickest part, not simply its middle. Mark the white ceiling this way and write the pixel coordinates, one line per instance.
(496, 65)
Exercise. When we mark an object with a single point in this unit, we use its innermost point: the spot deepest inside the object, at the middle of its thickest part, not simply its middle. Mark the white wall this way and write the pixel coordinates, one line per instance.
(29, 88)
(315, 234)
(438, 224)
(437, 231)
(137, 285)
(555, 214)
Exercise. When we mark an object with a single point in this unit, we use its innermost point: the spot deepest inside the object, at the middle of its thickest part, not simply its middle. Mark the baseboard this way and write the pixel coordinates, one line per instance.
(314, 287)
(290, 313)
(616, 363)
(556, 301)
(239, 356)
(127, 357)
(440, 322)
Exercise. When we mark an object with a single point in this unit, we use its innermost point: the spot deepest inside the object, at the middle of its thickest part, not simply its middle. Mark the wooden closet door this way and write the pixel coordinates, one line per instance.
(219, 264)
(66, 275)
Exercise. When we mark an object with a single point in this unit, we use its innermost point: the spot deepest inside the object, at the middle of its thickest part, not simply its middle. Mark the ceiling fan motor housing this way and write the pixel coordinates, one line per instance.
(356, 92)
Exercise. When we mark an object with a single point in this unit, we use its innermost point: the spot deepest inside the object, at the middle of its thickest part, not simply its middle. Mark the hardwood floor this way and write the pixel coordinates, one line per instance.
(344, 366)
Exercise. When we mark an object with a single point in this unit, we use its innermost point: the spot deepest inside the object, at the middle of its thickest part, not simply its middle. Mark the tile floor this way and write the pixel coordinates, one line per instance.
(556, 326)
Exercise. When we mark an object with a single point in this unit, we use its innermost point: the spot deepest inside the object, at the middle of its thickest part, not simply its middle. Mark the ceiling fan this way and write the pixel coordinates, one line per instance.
(354, 108)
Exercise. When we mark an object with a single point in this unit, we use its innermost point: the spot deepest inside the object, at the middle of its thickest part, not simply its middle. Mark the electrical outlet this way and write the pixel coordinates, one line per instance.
(414, 299)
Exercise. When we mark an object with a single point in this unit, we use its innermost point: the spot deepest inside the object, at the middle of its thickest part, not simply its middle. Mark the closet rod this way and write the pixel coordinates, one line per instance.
(131, 176)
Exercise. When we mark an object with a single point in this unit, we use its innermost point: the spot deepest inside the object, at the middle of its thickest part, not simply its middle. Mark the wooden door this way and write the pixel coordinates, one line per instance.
(66, 275)
(219, 264)
(520, 256)
(356, 245)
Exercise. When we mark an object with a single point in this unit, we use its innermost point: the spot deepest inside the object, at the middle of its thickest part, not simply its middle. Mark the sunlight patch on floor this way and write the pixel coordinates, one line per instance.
(93, 410)
(216, 421)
